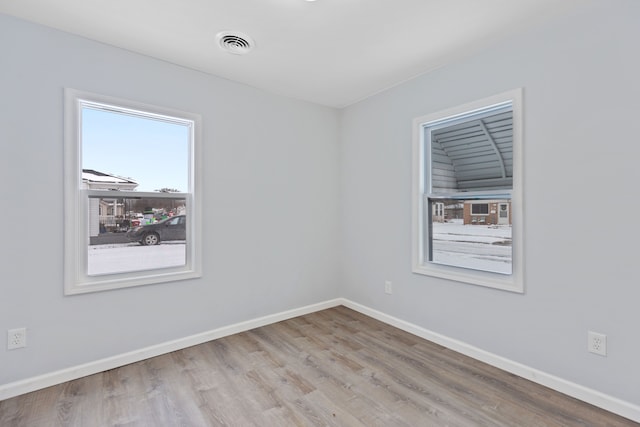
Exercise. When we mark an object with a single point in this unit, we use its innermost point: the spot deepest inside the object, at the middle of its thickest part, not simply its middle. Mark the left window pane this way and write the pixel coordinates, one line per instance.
(129, 193)
(126, 151)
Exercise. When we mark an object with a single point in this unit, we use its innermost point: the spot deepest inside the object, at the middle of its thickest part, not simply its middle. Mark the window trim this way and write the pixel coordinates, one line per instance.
(76, 200)
(420, 212)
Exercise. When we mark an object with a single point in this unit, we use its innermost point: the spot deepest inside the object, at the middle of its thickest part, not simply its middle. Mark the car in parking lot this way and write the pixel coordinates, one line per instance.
(173, 228)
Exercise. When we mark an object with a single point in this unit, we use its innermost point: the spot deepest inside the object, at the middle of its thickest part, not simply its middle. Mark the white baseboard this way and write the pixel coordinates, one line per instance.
(36, 383)
(594, 397)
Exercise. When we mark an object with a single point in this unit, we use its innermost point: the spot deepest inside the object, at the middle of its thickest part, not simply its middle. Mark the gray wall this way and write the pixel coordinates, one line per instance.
(270, 204)
(581, 79)
(305, 203)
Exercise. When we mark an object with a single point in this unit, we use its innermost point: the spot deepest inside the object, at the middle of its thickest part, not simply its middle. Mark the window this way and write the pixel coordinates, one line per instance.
(467, 193)
(131, 193)
(479, 209)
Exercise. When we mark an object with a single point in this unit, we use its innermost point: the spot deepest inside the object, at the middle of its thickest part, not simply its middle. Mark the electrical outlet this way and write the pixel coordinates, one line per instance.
(16, 338)
(388, 288)
(597, 343)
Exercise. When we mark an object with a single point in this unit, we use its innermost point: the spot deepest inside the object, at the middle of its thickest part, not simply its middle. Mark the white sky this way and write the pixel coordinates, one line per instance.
(151, 152)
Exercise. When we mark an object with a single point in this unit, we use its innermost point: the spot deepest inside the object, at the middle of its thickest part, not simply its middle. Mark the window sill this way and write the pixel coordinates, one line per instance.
(511, 282)
(150, 278)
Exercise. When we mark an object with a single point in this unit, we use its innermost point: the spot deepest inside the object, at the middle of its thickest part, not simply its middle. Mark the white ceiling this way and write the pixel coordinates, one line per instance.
(330, 52)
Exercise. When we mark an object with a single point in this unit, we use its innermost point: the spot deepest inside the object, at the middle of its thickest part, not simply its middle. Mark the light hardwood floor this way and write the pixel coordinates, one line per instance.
(335, 367)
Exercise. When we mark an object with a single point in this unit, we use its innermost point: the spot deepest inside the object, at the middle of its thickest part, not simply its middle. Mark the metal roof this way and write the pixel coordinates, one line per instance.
(473, 154)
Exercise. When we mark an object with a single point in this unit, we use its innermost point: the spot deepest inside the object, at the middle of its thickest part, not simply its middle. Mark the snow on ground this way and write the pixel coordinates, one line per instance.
(126, 257)
(479, 247)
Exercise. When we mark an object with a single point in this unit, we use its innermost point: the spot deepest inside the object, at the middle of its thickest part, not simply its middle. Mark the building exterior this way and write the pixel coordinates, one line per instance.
(446, 211)
(104, 212)
(487, 212)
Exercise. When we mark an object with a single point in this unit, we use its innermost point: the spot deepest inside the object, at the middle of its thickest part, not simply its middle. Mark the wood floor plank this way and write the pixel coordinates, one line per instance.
(335, 367)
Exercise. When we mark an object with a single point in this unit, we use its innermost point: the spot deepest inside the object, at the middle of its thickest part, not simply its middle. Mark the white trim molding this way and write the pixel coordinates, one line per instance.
(77, 278)
(422, 191)
(593, 397)
(47, 380)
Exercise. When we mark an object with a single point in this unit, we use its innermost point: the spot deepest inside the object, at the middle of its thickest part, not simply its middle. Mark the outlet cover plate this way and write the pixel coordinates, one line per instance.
(16, 338)
(388, 287)
(597, 343)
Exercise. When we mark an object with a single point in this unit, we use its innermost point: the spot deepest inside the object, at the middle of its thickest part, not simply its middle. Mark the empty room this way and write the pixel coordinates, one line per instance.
(319, 212)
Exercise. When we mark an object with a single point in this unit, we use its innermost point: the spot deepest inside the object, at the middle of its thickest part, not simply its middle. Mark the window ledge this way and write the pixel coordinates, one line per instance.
(512, 282)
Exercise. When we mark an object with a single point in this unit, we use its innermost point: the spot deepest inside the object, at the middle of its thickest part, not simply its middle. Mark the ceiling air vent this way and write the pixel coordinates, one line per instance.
(234, 42)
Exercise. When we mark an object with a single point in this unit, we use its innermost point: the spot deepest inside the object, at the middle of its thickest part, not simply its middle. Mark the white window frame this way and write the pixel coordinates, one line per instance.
(76, 199)
(420, 240)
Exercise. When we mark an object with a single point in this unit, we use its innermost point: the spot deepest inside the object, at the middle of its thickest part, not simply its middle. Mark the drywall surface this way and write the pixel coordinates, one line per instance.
(581, 173)
(270, 204)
